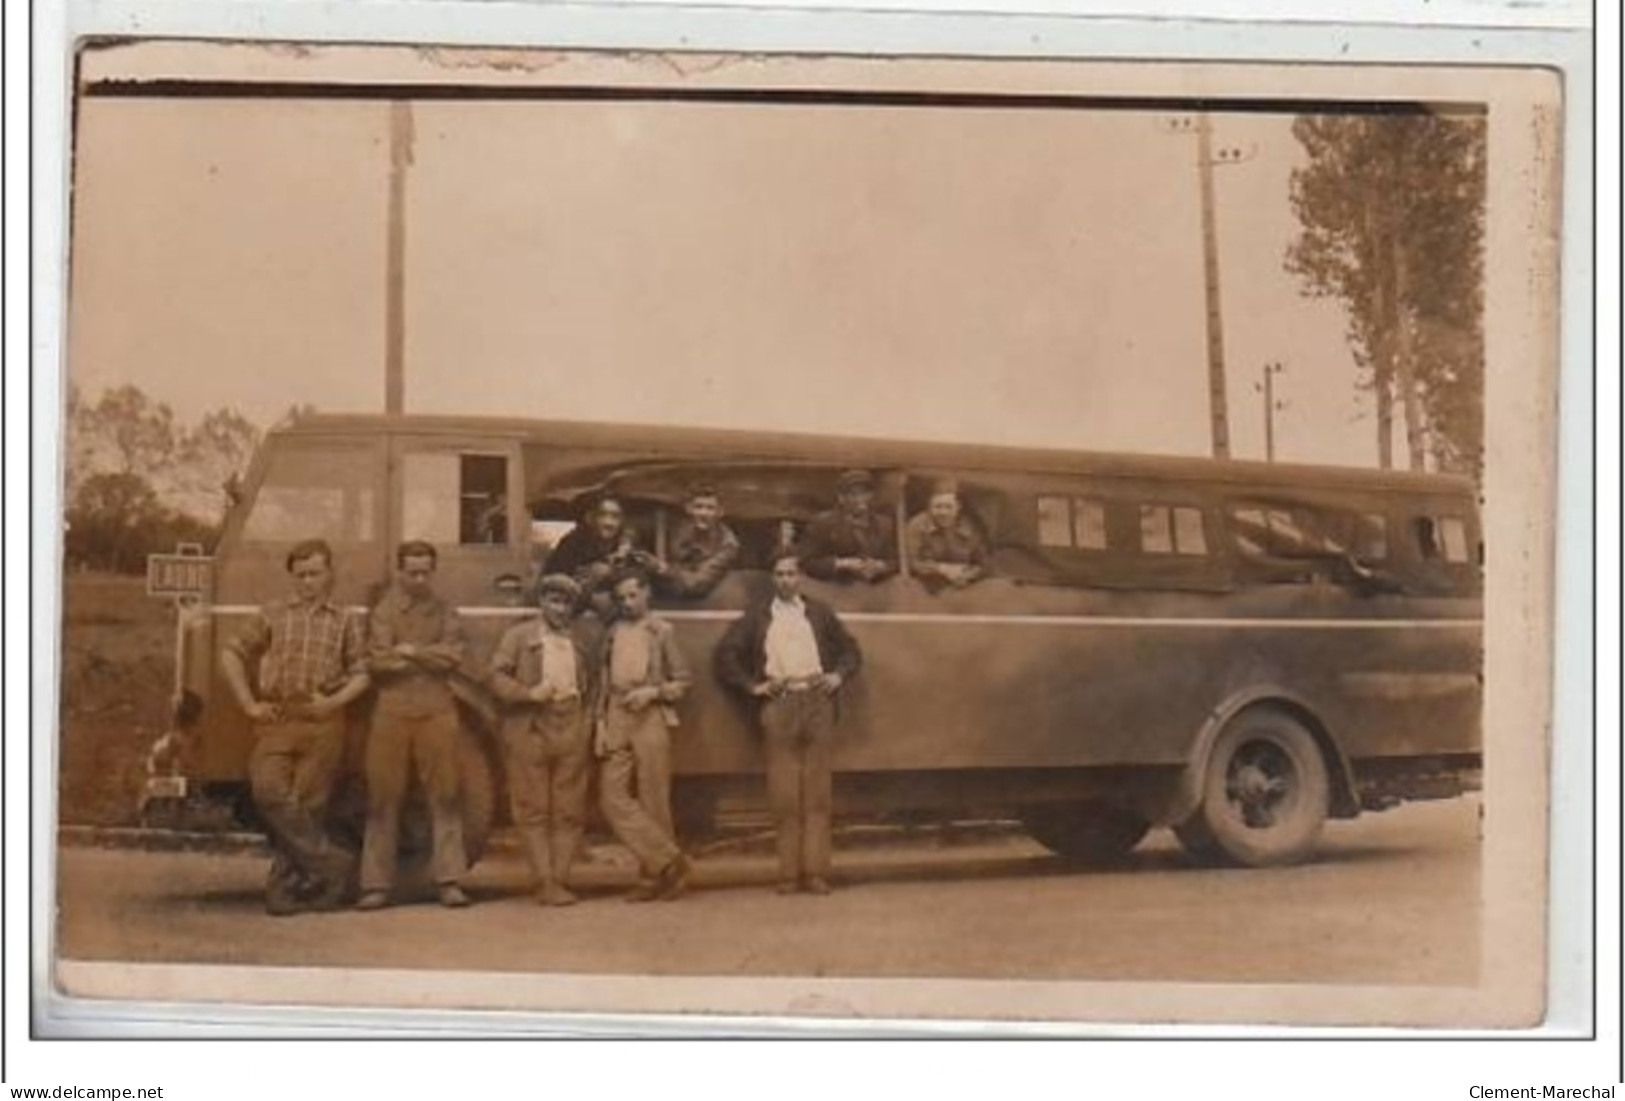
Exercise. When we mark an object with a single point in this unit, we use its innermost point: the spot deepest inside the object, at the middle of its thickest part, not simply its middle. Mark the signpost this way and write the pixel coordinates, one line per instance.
(180, 576)
(186, 578)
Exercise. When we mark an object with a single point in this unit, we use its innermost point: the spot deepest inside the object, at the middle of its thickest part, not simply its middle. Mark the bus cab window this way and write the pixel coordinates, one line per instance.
(323, 493)
(455, 499)
(1171, 530)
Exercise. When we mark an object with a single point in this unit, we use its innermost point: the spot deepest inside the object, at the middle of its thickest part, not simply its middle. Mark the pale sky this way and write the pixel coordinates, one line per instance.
(1007, 276)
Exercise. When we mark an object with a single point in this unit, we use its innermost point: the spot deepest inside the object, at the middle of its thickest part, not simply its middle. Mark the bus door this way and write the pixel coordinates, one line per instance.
(465, 495)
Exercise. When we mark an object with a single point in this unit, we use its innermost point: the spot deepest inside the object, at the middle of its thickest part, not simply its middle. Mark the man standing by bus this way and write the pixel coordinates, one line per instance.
(853, 542)
(644, 676)
(542, 671)
(309, 654)
(415, 642)
(792, 654)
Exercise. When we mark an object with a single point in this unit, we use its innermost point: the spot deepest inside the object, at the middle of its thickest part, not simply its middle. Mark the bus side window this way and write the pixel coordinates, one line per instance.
(1075, 522)
(455, 499)
(1174, 529)
(1442, 539)
(1370, 542)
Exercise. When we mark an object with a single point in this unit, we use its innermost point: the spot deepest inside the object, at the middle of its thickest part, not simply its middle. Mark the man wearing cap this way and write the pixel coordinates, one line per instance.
(308, 657)
(944, 548)
(415, 642)
(791, 655)
(643, 677)
(703, 548)
(542, 674)
(853, 542)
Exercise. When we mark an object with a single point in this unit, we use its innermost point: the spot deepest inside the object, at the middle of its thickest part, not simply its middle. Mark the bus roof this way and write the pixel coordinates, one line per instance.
(745, 446)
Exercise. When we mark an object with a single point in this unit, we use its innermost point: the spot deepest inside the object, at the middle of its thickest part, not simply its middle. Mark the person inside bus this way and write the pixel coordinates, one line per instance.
(415, 642)
(790, 654)
(593, 551)
(542, 672)
(703, 548)
(945, 550)
(854, 541)
(311, 659)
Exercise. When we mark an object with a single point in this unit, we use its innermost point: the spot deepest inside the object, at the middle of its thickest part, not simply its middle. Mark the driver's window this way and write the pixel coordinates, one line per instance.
(455, 499)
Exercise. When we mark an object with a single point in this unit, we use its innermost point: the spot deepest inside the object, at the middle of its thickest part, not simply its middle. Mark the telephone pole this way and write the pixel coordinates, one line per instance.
(1271, 407)
(1207, 158)
(400, 158)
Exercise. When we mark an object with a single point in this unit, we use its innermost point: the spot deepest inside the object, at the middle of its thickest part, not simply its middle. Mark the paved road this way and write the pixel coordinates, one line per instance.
(1393, 899)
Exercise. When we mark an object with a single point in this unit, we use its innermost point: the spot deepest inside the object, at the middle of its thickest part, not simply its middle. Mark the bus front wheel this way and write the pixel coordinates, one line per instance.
(1086, 833)
(1265, 793)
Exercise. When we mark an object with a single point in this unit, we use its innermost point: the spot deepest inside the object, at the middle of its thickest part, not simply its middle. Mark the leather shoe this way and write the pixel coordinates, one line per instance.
(452, 895)
(555, 894)
(673, 881)
(786, 887)
(283, 905)
(817, 885)
(372, 900)
(646, 891)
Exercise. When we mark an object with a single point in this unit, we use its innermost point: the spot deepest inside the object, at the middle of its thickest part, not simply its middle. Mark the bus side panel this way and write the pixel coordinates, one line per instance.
(1025, 694)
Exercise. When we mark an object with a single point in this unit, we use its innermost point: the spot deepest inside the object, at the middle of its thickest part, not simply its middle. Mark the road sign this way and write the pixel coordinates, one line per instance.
(179, 574)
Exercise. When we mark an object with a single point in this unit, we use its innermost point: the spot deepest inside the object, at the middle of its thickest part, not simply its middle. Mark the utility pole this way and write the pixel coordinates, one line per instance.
(1207, 158)
(400, 158)
(1271, 407)
(1218, 402)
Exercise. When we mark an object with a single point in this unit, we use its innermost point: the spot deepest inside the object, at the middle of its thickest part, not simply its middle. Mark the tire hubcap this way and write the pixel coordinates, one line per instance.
(1260, 784)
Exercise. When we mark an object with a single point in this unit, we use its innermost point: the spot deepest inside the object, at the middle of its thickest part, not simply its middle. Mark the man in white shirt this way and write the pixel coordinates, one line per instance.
(792, 654)
(542, 672)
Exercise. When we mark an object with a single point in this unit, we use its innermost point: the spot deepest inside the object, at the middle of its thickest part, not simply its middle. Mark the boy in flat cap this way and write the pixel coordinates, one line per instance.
(854, 541)
(542, 672)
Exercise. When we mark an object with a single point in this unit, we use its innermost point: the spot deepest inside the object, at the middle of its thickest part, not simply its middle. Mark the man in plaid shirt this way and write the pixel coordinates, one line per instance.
(308, 653)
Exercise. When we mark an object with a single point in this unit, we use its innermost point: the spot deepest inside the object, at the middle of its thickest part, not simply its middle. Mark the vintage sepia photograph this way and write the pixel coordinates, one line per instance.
(828, 537)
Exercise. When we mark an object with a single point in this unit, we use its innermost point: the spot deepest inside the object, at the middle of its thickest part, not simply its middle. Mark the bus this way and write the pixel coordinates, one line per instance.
(1237, 651)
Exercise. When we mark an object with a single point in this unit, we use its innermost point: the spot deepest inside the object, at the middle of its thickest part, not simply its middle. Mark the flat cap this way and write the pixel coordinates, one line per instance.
(853, 479)
(559, 583)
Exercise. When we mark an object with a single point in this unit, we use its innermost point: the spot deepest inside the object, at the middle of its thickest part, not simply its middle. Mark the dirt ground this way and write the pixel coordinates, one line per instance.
(118, 670)
(1391, 898)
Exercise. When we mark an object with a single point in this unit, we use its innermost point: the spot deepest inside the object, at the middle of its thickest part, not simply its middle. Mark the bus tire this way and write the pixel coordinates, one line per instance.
(1089, 833)
(1265, 793)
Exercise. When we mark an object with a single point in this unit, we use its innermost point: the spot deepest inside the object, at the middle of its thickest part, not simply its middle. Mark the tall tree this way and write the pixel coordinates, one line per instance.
(140, 433)
(1391, 209)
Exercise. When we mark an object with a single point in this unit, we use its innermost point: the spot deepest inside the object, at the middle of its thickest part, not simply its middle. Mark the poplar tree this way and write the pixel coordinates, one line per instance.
(1391, 209)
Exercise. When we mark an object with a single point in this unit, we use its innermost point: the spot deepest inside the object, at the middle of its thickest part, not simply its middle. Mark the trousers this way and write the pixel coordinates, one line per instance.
(549, 764)
(798, 731)
(634, 785)
(291, 772)
(397, 744)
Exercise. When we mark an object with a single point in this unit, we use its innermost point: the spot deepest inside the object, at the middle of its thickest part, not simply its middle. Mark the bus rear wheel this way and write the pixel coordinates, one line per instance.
(1091, 833)
(1265, 794)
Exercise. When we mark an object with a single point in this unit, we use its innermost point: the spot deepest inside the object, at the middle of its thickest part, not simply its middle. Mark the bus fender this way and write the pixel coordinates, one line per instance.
(1188, 795)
